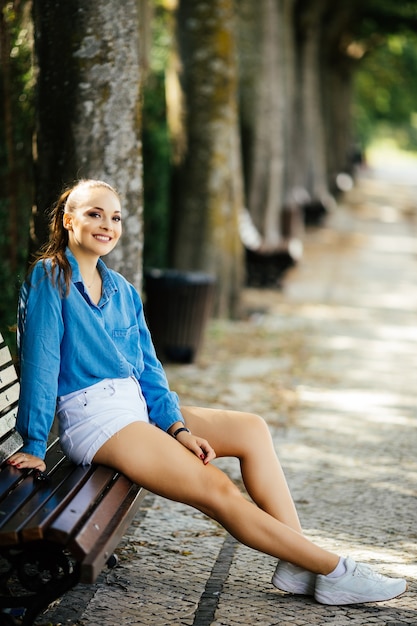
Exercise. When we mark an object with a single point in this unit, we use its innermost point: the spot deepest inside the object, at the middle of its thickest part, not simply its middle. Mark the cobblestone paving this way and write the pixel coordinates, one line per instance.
(331, 363)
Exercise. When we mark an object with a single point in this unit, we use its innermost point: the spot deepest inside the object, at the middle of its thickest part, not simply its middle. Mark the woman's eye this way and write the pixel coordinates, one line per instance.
(117, 218)
(94, 214)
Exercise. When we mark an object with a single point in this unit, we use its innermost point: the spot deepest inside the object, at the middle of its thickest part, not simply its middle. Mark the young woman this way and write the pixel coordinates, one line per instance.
(86, 354)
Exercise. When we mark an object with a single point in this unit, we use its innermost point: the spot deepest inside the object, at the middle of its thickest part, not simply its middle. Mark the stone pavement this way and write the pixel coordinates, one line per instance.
(331, 363)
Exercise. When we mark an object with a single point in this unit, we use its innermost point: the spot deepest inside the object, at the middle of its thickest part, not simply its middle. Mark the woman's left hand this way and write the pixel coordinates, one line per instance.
(200, 447)
(22, 460)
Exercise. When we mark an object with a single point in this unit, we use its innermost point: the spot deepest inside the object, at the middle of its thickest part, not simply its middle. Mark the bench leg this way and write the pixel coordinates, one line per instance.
(46, 573)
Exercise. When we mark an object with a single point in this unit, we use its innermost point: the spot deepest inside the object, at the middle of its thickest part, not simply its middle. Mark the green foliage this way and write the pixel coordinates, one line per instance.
(156, 146)
(156, 173)
(16, 163)
(385, 88)
(379, 18)
(386, 91)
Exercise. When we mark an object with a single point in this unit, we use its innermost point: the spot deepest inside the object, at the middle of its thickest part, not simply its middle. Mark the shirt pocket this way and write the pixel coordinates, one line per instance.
(126, 341)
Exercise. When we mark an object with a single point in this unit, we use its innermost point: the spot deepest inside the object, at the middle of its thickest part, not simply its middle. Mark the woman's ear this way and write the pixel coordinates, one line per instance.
(67, 221)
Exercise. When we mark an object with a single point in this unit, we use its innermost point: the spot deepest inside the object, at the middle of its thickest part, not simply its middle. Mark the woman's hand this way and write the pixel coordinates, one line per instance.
(21, 460)
(200, 447)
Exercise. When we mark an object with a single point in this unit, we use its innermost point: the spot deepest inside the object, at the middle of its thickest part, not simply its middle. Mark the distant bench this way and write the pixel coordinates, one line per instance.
(58, 528)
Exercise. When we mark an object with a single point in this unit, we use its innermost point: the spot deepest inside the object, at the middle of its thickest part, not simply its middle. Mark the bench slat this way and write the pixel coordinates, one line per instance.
(7, 423)
(9, 477)
(7, 375)
(9, 397)
(101, 518)
(71, 516)
(37, 526)
(97, 558)
(11, 444)
(5, 356)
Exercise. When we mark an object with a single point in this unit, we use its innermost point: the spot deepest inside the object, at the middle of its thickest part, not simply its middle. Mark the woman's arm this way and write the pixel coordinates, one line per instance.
(163, 404)
(40, 330)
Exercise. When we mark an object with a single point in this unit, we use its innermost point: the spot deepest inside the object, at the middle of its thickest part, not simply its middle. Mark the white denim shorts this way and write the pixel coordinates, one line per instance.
(88, 417)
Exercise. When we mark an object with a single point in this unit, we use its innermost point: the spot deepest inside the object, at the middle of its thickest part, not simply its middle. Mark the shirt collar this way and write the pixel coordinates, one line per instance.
(109, 285)
(76, 274)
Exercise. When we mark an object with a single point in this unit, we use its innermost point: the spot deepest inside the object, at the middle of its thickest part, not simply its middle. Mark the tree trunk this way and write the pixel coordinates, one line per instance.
(338, 117)
(208, 182)
(313, 123)
(338, 67)
(88, 103)
(267, 104)
(266, 183)
(263, 99)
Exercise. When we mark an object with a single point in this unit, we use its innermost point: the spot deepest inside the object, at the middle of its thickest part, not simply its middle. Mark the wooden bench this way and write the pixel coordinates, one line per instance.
(58, 528)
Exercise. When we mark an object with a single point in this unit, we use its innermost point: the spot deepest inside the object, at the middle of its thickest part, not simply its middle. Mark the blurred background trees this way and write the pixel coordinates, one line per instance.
(16, 163)
(206, 116)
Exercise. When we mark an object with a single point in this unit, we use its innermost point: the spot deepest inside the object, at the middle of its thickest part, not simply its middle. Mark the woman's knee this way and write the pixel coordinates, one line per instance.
(255, 428)
(257, 422)
(231, 433)
(217, 495)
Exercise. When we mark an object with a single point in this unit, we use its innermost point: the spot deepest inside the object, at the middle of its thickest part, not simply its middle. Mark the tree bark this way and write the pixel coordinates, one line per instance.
(266, 178)
(89, 115)
(208, 181)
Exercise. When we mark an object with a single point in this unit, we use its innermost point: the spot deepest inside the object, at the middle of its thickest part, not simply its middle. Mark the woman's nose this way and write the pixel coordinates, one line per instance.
(106, 224)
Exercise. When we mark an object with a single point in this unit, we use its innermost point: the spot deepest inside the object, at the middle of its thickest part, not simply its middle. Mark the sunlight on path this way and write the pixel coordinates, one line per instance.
(393, 164)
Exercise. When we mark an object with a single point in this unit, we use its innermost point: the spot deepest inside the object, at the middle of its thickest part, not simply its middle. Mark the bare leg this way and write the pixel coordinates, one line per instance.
(247, 437)
(155, 460)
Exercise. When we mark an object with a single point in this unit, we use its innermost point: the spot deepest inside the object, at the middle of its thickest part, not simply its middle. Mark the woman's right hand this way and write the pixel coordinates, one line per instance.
(200, 447)
(21, 460)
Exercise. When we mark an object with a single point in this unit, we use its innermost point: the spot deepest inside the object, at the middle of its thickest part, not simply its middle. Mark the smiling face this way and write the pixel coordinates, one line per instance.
(93, 220)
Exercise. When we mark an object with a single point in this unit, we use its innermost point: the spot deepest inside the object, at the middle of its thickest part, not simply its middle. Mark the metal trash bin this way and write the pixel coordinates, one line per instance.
(177, 308)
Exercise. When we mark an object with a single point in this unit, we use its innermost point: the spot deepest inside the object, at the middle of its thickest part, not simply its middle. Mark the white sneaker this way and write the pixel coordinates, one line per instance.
(359, 584)
(289, 577)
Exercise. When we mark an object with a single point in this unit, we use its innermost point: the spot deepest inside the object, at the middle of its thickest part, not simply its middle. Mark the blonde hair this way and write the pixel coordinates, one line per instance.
(54, 249)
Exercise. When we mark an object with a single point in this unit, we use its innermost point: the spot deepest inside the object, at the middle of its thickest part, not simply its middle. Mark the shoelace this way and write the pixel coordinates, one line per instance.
(364, 570)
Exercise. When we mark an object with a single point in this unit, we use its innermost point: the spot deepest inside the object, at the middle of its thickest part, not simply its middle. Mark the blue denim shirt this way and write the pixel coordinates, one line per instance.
(66, 343)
